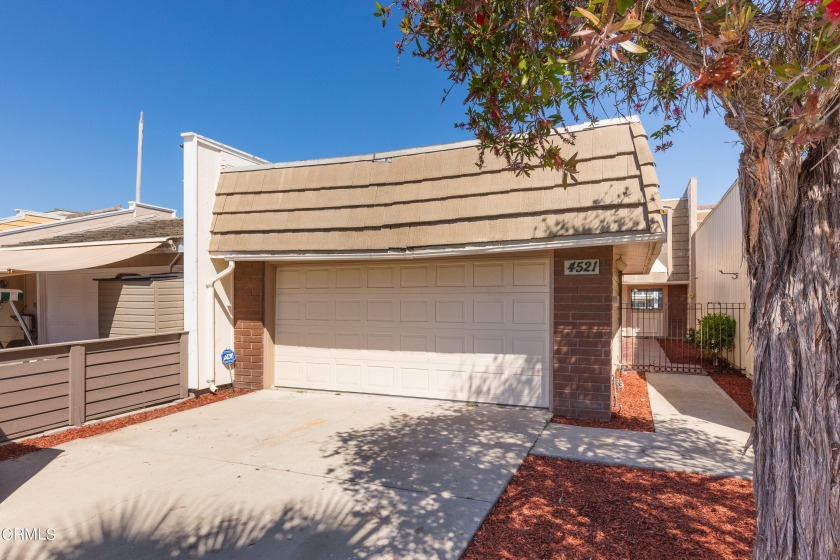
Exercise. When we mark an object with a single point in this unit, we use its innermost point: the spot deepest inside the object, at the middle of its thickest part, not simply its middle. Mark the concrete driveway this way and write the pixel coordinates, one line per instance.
(273, 474)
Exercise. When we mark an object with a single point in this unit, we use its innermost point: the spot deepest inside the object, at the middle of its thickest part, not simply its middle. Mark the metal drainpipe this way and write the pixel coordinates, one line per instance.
(212, 296)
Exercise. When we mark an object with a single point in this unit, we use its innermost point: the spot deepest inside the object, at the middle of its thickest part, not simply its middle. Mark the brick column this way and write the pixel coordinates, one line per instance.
(248, 286)
(583, 336)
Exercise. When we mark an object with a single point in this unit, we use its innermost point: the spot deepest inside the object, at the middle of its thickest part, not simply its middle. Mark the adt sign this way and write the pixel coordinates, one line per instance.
(228, 357)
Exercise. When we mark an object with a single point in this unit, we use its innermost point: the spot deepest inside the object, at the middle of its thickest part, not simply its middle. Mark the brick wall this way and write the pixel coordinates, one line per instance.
(583, 336)
(248, 285)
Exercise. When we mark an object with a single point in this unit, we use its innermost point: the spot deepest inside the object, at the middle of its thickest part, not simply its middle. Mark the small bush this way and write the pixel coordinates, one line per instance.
(716, 333)
(691, 336)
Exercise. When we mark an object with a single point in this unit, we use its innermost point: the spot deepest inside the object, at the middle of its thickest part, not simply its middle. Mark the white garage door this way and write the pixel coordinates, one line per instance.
(469, 329)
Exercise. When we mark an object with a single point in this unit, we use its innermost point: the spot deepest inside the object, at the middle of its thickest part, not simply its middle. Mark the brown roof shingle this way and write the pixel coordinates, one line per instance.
(146, 228)
(437, 196)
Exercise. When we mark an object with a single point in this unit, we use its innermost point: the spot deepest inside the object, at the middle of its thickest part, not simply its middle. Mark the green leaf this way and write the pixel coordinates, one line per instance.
(647, 28)
(632, 47)
(631, 24)
(623, 5)
(581, 12)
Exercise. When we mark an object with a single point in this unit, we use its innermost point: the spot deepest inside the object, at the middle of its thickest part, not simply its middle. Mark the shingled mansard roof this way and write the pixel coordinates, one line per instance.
(437, 197)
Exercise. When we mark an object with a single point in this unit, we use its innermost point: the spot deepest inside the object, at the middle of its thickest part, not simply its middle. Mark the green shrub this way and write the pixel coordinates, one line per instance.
(691, 336)
(716, 333)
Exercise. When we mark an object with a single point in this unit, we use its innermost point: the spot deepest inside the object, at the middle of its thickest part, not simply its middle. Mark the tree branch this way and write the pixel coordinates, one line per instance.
(689, 57)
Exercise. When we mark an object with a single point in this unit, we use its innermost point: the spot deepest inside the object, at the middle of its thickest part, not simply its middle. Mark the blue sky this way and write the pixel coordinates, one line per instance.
(280, 80)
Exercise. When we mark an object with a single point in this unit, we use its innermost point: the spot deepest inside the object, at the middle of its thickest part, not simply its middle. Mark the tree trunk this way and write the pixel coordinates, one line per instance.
(791, 211)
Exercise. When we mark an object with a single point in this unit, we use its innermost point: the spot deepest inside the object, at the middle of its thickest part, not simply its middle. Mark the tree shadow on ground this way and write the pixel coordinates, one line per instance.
(409, 487)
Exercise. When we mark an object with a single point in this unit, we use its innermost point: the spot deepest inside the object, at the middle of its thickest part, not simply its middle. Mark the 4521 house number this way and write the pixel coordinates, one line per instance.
(585, 266)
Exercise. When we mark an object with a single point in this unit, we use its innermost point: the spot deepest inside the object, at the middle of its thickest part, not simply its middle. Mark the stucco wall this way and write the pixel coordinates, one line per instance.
(204, 307)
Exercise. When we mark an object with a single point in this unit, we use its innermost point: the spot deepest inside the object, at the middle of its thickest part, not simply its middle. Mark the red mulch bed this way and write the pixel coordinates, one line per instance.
(632, 412)
(681, 352)
(30, 445)
(567, 510)
(739, 388)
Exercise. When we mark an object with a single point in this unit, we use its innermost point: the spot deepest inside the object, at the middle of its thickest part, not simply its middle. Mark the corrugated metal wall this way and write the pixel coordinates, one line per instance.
(719, 242)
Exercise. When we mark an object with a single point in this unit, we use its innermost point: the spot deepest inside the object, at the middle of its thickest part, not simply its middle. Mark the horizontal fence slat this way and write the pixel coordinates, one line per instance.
(136, 400)
(40, 365)
(32, 408)
(102, 381)
(131, 365)
(33, 381)
(118, 343)
(133, 353)
(33, 424)
(116, 411)
(121, 374)
(24, 396)
(143, 385)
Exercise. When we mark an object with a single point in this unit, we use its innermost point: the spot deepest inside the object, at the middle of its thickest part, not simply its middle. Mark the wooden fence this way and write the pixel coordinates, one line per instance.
(68, 384)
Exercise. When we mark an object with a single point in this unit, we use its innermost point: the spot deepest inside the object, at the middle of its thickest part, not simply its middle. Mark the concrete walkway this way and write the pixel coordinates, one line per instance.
(275, 475)
(698, 429)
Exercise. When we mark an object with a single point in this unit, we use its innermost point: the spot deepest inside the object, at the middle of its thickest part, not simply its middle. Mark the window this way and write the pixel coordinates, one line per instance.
(646, 299)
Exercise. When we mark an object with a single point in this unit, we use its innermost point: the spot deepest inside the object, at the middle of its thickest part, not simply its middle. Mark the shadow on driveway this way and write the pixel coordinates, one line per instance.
(410, 479)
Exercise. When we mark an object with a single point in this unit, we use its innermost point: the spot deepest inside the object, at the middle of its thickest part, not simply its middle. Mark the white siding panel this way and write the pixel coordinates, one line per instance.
(719, 242)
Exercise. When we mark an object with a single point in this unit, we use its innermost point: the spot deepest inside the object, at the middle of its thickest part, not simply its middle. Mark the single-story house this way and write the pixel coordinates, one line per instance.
(66, 269)
(416, 273)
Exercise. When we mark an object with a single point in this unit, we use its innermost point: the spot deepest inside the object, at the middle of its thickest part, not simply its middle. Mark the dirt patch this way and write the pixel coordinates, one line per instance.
(30, 445)
(568, 510)
(739, 388)
(632, 411)
(681, 352)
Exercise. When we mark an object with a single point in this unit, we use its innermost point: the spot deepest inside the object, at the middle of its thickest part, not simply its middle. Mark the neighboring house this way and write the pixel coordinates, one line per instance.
(722, 269)
(59, 265)
(416, 273)
(24, 218)
(657, 304)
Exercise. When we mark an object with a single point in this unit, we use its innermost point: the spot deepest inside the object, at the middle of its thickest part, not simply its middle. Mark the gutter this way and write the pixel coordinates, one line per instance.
(487, 249)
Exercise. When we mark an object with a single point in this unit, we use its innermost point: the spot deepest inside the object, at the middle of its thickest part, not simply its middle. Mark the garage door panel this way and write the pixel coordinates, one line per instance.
(381, 376)
(348, 375)
(469, 330)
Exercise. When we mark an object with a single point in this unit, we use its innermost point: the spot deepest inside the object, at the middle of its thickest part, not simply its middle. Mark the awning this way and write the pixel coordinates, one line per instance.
(75, 257)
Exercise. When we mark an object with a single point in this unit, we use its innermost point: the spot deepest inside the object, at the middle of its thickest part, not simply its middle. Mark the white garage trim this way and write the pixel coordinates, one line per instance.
(469, 329)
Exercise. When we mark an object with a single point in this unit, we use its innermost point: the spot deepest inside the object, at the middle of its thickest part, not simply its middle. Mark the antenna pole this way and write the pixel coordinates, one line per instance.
(139, 158)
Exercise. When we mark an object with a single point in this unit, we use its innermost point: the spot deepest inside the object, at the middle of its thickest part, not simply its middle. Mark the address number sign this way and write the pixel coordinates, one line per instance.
(584, 266)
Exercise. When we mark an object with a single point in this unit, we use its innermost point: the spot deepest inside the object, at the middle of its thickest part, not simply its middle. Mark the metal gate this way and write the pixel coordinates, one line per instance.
(683, 338)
